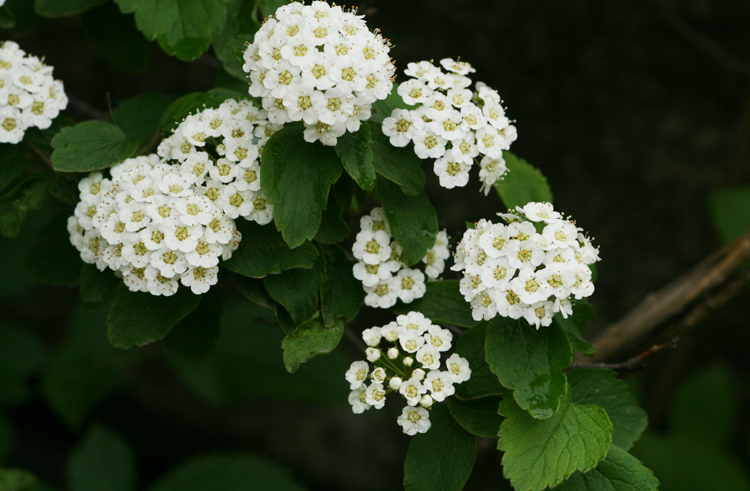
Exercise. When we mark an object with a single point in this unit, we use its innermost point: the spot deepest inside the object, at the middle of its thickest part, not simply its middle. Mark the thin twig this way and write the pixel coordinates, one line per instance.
(633, 364)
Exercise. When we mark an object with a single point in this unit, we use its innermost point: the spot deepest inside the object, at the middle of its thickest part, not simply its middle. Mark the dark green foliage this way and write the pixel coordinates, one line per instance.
(442, 303)
(356, 153)
(523, 183)
(309, 339)
(399, 165)
(412, 219)
(89, 146)
(195, 335)
(115, 38)
(103, 460)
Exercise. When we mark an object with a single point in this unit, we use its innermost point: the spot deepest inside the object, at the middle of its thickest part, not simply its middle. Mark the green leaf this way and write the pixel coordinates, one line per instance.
(241, 27)
(17, 480)
(42, 139)
(284, 319)
(138, 318)
(51, 258)
(356, 153)
(97, 287)
(706, 405)
(298, 289)
(195, 335)
(412, 219)
(334, 223)
(619, 471)
(103, 460)
(479, 416)
(7, 437)
(309, 339)
(60, 8)
(443, 303)
(522, 184)
(730, 211)
(540, 454)
(442, 458)
(14, 162)
(227, 473)
(397, 164)
(482, 382)
(114, 37)
(20, 356)
(342, 294)
(192, 103)
(530, 362)
(184, 28)
(76, 381)
(601, 387)
(28, 195)
(263, 252)
(139, 117)
(575, 325)
(382, 109)
(254, 290)
(89, 146)
(296, 177)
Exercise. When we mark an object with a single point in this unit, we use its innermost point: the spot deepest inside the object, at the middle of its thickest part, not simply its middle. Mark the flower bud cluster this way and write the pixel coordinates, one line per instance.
(452, 124)
(406, 355)
(29, 96)
(384, 277)
(320, 65)
(168, 218)
(529, 268)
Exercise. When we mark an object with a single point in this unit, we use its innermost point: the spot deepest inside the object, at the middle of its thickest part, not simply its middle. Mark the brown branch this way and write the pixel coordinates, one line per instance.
(633, 364)
(681, 304)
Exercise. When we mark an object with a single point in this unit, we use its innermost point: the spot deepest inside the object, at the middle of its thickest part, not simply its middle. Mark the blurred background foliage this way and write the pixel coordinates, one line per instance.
(638, 112)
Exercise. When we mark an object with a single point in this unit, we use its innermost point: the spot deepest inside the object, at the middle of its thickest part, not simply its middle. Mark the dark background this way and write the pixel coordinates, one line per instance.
(635, 110)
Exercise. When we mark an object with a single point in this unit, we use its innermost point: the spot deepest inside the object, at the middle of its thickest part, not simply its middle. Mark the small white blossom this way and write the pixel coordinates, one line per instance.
(414, 420)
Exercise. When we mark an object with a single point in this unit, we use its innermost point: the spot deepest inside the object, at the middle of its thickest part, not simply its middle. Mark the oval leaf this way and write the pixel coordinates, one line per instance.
(398, 164)
(443, 303)
(102, 461)
(355, 151)
(310, 339)
(523, 183)
(89, 146)
(620, 471)
(479, 416)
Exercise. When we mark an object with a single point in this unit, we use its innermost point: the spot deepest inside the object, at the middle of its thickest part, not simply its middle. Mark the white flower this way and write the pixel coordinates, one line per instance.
(358, 400)
(440, 385)
(375, 395)
(458, 367)
(373, 354)
(372, 247)
(410, 285)
(357, 374)
(412, 391)
(439, 338)
(381, 295)
(414, 420)
(426, 401)
(378, 375)
(372, 336)
(429, 357)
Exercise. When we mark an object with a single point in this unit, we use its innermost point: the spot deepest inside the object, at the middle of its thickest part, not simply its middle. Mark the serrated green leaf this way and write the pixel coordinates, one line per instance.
(397, 164)
(89, 146)
(28, 195)
(342, 294)
(97, 287)
(284, 319)
(308, 340)
(20, 356)
(297, 289)
(482, 382)
(183, 27)
(76, 381)
(227, 473)
(138, 318)
(334, 223)
(522, 184)
(478, 416)
(13, 163)
(601, 387)
(263, 252)
(61, 8)
(730, 211)
(442, 458)
(192, 103)
(114, 37)
(42, 139)
(706, 405)
(443, 303)
(253, 289)
(194, 336)
(17, 480)
(140, 116)
(296, 177)
(619, 471)
(412, 219)
(240, 28)
(575, 325)
(543, 453)
(103, 460)
(382, 109)
(356, 153)
(530, 362)
(51, 258)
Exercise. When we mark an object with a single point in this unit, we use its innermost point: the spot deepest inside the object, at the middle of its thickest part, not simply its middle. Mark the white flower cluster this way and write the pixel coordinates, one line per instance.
(452, 124)
(318, 64)
(167, 219)
(528, 268)
(384, 277)
(29, 96)
(406, 358)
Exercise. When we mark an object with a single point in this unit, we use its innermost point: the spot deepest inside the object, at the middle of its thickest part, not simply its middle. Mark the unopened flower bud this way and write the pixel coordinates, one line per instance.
(393, 353)
(395, 383)
(373, 354)
(418, 374)
(426, 401)
(408, 361)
